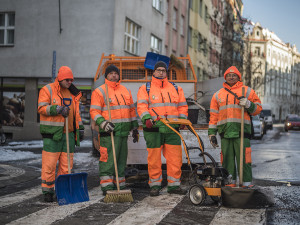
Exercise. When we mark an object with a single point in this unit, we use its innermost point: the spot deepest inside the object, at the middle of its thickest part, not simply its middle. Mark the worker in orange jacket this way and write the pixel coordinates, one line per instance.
(53, 113)
(225, 118)
(124, 120)
(160, 97)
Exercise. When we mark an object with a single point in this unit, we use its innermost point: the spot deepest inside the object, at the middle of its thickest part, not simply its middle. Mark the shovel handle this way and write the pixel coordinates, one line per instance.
(242, 143)
(67, 133)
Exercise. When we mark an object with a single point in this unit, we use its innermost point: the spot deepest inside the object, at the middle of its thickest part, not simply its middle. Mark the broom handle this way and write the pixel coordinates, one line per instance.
(68, 147)
(112, 139)
(242, 143)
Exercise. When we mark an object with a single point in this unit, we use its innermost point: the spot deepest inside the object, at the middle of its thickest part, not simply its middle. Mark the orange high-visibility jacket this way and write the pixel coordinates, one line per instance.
(225, 111)
(164, 99)
(52, 123)
(122, 108)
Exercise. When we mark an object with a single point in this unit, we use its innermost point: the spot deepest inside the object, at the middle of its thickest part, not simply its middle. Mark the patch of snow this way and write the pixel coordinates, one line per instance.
(10, 155)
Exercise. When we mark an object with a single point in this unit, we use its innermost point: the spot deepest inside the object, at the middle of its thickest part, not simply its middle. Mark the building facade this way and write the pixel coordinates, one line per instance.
(39, 36)
(274, 71)
(176, 16)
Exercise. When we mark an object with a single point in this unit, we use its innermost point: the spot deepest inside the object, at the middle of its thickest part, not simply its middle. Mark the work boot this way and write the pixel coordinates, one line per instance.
(177, 191)
(154, 192)
(104, 193)
(48, 197)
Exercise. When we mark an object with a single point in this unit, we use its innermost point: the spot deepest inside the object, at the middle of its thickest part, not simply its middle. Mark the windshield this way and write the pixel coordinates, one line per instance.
(294, 119)
(266, 112)
(255, 117)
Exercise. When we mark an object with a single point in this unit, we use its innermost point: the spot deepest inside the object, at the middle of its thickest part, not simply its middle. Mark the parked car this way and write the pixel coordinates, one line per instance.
(258, 125)
(292, 123)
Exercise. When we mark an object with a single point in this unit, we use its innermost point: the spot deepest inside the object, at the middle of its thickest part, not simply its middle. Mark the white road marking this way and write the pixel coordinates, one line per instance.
(149, 211)
(20, 196)
(53, 213)
(226, 216)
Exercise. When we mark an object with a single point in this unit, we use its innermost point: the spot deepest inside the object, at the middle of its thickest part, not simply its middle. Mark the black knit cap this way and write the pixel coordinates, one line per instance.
(111, 68)
(160, 64)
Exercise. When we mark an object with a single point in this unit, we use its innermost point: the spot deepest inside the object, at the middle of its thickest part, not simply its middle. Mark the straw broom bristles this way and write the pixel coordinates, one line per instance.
(118, 196)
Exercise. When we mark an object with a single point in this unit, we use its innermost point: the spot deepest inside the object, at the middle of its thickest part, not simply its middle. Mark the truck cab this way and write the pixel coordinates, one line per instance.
(268, 116)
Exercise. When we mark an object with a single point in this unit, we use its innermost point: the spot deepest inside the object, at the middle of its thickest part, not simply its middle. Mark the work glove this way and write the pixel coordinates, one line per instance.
(213, 140)
(63, 110)
(245, 102)
(149, 123)
(81, 135)
(107, 126)
(135, 135)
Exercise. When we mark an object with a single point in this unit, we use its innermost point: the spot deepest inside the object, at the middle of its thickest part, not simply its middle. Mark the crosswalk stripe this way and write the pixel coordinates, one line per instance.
(151, 210)
(53, 213)
(226, 216)
(20, 196)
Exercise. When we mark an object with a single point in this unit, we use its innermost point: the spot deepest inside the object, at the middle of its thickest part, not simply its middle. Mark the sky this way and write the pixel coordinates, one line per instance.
(281, 17)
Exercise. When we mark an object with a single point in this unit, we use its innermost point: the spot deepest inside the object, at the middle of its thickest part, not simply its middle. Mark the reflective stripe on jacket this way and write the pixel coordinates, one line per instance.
(122, 108)
(164, 99)
(225, 111)
(52, 123)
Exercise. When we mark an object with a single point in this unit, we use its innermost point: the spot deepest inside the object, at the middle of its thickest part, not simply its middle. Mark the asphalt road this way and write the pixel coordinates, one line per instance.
(275, 167)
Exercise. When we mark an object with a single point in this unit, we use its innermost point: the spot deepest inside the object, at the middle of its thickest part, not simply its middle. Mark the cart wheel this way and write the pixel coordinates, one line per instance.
(197, 194)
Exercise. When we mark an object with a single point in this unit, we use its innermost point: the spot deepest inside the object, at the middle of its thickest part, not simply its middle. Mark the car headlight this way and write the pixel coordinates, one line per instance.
(288, 124)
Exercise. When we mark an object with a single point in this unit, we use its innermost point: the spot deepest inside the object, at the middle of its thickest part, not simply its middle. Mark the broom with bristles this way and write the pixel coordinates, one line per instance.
(115, 195)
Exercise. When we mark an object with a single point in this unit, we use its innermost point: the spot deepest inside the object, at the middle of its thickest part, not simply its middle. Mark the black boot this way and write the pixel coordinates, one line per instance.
(177, 191)
(48, 197)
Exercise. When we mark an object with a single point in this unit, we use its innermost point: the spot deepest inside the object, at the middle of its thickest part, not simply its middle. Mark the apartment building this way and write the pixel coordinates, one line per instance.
(274, 71)
(39, 36)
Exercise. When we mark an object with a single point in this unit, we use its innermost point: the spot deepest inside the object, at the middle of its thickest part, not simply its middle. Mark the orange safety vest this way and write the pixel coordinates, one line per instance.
(122, 108)
(163, 98)
(225, 111)
(50, 122)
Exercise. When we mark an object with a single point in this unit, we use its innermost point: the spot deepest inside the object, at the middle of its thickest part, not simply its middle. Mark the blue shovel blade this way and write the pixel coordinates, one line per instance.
(152, 58)
(71, 188)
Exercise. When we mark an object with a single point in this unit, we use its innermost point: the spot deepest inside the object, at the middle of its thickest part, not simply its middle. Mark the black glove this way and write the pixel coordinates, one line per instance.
(107, 126)
(63, 110)
(81, 135)
(135, 135)
(213, 140)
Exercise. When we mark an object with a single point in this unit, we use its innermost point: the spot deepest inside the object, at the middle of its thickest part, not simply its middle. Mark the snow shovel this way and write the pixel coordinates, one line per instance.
(152, 58)
(71, 188)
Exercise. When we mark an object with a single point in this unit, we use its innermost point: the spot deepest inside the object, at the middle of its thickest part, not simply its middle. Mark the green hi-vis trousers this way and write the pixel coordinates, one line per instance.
(55, 151)
(106, 162)
(231, 153)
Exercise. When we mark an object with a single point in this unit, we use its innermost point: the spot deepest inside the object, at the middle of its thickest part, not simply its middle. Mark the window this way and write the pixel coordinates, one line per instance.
(174, 19)
(157, 4)
(190, 33)
(200, 42)
(132, 37)
(257, 33)
(7, 29)
(206, 15)
(155, 44)
(200, 8)
(181, 25)
(257, 51)
(84, 106)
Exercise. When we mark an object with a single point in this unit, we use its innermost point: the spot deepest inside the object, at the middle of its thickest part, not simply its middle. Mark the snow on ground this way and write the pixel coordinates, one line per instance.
(9, 153)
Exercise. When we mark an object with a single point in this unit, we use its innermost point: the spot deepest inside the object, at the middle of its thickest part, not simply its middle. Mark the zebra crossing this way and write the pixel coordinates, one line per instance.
(146, 210)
